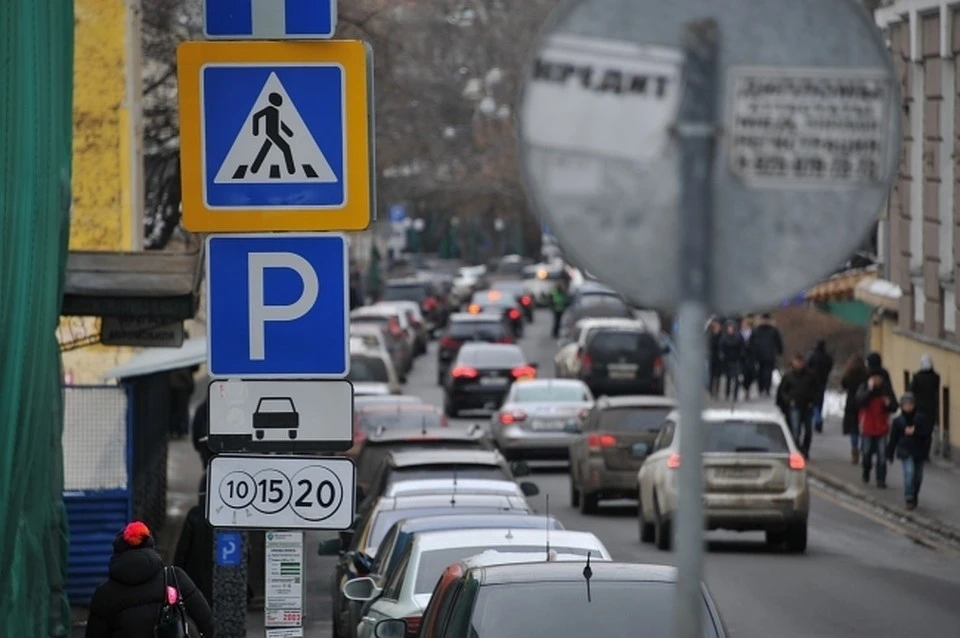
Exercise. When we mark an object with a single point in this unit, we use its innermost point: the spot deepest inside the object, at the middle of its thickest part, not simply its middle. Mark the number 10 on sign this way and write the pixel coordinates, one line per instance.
(280, 492)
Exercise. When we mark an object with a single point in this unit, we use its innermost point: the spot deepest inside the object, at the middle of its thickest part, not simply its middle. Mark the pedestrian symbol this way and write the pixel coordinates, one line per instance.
(274, 145)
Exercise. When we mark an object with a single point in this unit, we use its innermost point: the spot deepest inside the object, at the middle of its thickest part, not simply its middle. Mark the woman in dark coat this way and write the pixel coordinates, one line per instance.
(128, 604)
(854, 375)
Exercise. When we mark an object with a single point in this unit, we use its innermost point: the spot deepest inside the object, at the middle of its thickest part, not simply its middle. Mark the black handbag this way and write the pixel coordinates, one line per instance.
(172, 622)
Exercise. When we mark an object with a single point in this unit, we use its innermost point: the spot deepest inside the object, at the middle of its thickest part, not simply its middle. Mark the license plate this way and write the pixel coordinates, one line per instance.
(543, 424)
(737, 472)
(622, 374)
(495, 381)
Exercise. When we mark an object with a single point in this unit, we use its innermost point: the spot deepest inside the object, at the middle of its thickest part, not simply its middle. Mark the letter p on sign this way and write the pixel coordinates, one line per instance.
(260, 312)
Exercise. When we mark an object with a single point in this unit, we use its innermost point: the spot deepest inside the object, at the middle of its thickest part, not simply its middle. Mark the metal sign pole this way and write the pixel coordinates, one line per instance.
(696, 131)
(230, 590)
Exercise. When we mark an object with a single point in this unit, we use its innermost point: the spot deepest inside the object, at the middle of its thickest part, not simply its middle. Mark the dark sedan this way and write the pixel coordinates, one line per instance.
(482, 375)
(463, 328)
(497, 302)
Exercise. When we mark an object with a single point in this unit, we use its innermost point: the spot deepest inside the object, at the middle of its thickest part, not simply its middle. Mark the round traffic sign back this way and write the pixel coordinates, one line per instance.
(807, 150)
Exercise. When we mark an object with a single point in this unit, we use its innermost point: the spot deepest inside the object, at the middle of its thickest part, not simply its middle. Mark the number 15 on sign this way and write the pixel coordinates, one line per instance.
(280, 492)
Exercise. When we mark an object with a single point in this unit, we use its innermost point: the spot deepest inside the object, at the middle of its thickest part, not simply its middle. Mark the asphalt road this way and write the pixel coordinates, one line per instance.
(859, 577)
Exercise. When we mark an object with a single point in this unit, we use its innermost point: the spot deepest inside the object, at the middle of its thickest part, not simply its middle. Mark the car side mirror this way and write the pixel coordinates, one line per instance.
(390, 628)
(361, 589)
(520, 468)
(529, 489)
(330, 547)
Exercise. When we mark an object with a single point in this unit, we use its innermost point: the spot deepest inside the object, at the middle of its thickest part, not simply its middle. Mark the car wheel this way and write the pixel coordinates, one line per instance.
(797, 538)
(647, 530)
(574, 492)
(661, 528)
(588, 503)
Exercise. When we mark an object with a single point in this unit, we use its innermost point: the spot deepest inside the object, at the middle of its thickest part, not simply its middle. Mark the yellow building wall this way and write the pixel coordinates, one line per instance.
(107, 173)
(901, 353)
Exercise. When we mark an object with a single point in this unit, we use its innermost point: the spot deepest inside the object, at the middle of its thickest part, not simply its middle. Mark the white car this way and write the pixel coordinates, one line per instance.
(754, 478)
(566, 363)
(418, 324)
(372, 372)
(407, 590)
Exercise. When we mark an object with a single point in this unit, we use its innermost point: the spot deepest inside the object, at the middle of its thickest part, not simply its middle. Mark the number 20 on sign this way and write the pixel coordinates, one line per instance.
(280, 492)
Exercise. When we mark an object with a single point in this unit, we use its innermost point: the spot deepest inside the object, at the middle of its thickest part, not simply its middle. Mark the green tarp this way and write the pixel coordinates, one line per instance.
(36, 80)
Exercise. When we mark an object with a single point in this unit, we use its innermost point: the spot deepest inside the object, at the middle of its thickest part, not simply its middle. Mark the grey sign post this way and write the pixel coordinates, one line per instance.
(705, 156)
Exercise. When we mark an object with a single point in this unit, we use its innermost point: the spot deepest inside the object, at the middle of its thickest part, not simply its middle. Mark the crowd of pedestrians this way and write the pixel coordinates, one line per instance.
(742, 354)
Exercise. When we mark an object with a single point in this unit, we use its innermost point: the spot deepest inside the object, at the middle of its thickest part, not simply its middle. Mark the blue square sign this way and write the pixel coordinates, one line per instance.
(269, 19)
(273, 136)
(229, 549)
(278, 306)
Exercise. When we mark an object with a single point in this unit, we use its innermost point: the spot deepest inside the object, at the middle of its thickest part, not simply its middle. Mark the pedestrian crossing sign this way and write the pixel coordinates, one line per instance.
(275, 136)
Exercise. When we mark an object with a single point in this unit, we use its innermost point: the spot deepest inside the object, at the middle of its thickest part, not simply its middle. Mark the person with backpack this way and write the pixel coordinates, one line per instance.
(143, 598)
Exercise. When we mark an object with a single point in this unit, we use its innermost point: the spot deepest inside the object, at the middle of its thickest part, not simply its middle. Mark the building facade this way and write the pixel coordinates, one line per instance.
(916, 300)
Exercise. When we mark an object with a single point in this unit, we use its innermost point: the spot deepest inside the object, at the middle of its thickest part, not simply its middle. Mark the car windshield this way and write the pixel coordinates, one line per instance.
(550, 392)
(432, 563)
(616, 341)
(276, 405)
(399, 419)
(492, 357)
(634, 419)
(467, 330)
(746, 436)
(622, 609)
(365, 341)
(368, 369)
(405, 292)
(384, 520)
(377, 320)
(445, 470)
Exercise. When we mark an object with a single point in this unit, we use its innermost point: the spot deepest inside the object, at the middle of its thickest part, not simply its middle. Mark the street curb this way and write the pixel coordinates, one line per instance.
(933, 526)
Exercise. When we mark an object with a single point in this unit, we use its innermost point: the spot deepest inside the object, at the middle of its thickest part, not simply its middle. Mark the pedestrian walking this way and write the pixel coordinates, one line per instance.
(558, 300)
(795, 397)
(876, 403)
(925, 386)
(141, 589)
(821, 365)
(732, 353)
(910, 442)
(194, 553)
(714, 333)
(766, 344)
(854, 375)
(749, 360)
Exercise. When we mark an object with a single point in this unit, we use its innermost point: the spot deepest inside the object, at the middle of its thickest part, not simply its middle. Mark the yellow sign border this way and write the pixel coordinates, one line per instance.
(354, 214)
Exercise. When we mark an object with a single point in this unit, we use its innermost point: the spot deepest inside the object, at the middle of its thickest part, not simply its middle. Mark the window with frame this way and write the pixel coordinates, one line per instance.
(391, 591)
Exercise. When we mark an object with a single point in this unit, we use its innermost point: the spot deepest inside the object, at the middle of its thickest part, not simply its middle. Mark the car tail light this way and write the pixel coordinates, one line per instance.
(514, 314)
(395, 329)
(505, 339)
(474, 309)
(465, 372)
(596, 442)
(673, 462)
(526, 300)
(413, 624)
(509, 418)
(523, 371)
(658, 366)
(586, 362)
(449, 342)
(797, 462)
(429, 303)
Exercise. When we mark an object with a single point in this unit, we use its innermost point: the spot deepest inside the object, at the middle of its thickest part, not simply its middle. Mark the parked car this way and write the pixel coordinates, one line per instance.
(398, 345)
(379, 418)
(550, 598)
(465, 327)
(613, 442)
(622, 361)
(497, 302)
(566, 361)
(421, 291)
(482, 375)
(540, 417)
(754, 478)
(418, 323)
(408, 588)
(372, 372)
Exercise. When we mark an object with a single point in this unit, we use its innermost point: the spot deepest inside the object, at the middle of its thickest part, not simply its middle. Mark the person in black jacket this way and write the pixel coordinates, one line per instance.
(854, 376)
(821, 364)
(925, 386)
(732, 353)
(194, 552)
(129, 603)
(766, 345)
(795, 397)
(714, 333)
(910, 442)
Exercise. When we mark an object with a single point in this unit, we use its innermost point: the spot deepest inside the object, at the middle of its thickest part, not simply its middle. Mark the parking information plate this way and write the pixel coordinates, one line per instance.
(281, 492)
(289, 415)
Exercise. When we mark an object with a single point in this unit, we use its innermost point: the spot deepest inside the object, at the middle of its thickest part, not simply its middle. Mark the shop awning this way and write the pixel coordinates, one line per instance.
(153, 360)
(879, 293)
(133, 285)
(840, 287)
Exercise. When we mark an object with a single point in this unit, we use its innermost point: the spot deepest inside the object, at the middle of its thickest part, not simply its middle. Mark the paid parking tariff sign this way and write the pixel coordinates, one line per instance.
(274, 136)
(277, 306)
